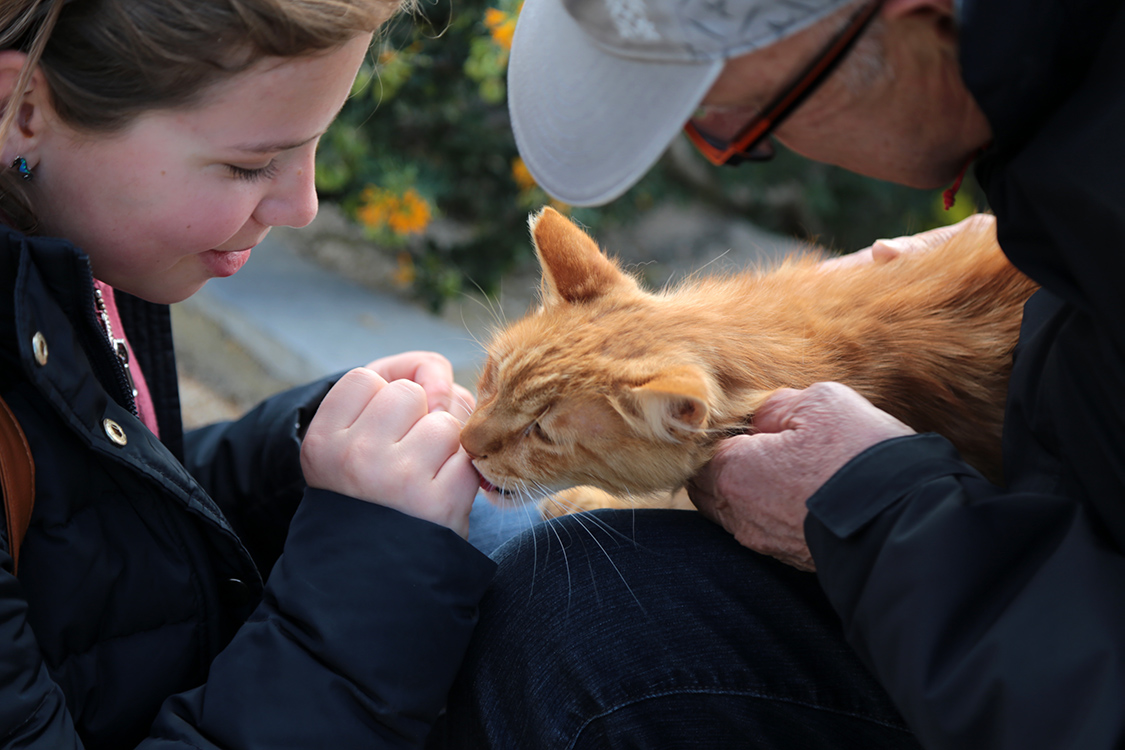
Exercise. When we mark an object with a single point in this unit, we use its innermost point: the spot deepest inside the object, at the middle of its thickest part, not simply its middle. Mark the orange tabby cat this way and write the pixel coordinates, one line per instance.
(609, 385)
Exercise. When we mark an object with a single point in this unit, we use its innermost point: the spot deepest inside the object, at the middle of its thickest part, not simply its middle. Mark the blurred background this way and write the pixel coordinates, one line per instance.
(423, 159)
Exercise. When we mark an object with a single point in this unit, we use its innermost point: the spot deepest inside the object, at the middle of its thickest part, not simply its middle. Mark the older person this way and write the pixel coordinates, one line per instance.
(992, 616)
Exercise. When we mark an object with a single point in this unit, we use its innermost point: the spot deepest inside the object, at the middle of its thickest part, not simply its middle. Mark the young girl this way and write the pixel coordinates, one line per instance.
(148, 146)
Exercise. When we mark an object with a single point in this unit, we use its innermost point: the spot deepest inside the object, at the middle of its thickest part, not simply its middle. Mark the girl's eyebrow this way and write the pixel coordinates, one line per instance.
(266, 148)
(275, 146)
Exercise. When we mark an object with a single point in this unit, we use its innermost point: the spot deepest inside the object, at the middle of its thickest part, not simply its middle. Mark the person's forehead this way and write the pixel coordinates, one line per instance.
(694, 30)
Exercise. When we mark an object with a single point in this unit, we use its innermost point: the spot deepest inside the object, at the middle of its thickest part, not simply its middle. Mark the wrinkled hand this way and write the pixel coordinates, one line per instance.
(886, 250)
(434, 373)
(757, 485)
(379, 442)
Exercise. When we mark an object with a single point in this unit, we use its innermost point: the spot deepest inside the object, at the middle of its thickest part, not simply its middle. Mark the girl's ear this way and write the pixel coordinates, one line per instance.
(29, 120)
(574, 268)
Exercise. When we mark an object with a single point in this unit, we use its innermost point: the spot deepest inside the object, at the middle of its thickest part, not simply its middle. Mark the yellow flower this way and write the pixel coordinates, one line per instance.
(521, 175)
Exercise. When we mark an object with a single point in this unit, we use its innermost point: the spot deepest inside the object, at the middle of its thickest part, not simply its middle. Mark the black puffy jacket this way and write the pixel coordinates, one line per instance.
(140, 617)
(996, 616)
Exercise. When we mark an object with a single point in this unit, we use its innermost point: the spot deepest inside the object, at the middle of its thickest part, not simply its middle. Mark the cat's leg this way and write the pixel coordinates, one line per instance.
(641, 629)
(579, 499)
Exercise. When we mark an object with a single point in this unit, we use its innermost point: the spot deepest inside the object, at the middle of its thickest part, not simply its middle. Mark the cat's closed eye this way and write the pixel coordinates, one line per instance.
(536, 430)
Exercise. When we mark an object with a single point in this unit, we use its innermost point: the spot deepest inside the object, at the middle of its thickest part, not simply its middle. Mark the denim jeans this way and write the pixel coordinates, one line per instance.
(655, 629)
(490, 526)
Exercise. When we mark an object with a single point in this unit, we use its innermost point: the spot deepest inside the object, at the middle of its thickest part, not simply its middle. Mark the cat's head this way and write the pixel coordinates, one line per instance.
(584, 390)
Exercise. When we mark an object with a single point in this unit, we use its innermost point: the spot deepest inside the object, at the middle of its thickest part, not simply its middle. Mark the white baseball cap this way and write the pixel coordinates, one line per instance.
(597, 89)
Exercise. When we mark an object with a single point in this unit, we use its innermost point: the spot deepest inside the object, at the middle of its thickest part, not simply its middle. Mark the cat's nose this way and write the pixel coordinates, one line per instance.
(473, 440)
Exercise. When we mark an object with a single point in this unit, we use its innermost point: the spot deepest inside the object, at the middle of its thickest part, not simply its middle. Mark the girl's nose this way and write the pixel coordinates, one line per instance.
(292, 202)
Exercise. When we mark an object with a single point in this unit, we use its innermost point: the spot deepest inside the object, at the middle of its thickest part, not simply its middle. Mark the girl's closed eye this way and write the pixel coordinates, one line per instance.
(256, 173)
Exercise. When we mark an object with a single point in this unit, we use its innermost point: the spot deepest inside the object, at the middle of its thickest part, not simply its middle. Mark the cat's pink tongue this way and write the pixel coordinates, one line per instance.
(487, 486)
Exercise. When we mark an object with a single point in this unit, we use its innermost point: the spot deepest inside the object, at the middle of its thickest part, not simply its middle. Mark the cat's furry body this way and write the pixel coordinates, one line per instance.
(627, 390)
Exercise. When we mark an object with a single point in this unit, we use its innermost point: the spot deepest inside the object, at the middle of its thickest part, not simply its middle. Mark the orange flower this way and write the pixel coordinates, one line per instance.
(372, 212)
(404, 273)
(501, 25)
(408, 213)
(493, 17)
(411, 215)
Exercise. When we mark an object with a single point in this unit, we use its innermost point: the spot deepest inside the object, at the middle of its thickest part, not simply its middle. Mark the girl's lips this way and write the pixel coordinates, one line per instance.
(224, 263)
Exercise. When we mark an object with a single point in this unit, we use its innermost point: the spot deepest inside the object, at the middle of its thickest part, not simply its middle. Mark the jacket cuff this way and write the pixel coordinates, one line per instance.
(881, 475)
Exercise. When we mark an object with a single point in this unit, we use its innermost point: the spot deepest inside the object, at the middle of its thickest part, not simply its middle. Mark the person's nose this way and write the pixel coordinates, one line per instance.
(292, 202)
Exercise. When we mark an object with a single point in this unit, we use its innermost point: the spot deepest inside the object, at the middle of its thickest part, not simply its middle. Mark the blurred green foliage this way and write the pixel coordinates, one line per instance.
(426, 136)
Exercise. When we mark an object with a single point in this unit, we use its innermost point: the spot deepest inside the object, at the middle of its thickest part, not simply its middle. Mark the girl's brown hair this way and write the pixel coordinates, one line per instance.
(107, 61)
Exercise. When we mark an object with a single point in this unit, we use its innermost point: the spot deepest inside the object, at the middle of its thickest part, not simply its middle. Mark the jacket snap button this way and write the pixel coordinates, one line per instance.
(114, 431)
(39, 348)
(234, 592)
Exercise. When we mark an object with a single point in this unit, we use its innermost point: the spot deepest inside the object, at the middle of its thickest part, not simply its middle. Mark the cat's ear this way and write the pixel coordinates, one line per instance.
(574, 267)
(677, 398)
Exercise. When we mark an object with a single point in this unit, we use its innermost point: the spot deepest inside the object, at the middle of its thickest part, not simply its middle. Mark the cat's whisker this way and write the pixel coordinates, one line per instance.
(574, 508)
(492, 306)
(552, 526)
(468, 406)
(581, 519)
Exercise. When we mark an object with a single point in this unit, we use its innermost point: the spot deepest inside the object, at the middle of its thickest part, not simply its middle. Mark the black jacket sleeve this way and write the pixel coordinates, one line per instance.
(363, 624)
(251, 467)
(994, 619)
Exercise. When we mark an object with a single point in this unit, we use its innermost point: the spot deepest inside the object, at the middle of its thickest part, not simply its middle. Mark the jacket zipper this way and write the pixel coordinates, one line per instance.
(108, 352)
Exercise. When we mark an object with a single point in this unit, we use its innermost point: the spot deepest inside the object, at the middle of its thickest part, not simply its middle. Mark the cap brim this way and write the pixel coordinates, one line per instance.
(589, 124)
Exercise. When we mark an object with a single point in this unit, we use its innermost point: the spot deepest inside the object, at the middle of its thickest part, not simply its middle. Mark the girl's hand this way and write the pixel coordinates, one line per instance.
(380, 442)
(434, 373)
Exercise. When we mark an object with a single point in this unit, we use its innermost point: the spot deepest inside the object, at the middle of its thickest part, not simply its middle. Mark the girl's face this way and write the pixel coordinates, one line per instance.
(182, 196)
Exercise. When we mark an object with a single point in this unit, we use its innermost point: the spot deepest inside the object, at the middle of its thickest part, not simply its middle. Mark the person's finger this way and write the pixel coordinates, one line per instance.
(393, 411)
(433, 439)
(858, 258)
(431, 370)
(347, 399)
(435, 375)
(701, 490)
(884, 251)
(774, 413)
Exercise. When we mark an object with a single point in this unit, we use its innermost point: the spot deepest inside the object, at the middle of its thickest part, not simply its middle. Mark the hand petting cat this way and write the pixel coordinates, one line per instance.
(387, 443)
(885, 250)
(756, 486)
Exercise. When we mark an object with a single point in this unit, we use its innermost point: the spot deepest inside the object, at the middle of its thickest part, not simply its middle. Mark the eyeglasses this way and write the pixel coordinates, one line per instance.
(752, 143)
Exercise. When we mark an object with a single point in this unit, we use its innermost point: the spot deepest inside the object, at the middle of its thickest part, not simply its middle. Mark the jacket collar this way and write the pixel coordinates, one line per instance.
(51, 286)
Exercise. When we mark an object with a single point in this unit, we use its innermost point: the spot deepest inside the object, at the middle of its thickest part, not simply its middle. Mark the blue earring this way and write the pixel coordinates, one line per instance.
(20, 165)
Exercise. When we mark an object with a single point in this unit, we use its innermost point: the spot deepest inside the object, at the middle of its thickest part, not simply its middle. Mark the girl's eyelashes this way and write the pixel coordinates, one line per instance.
(253, 175)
